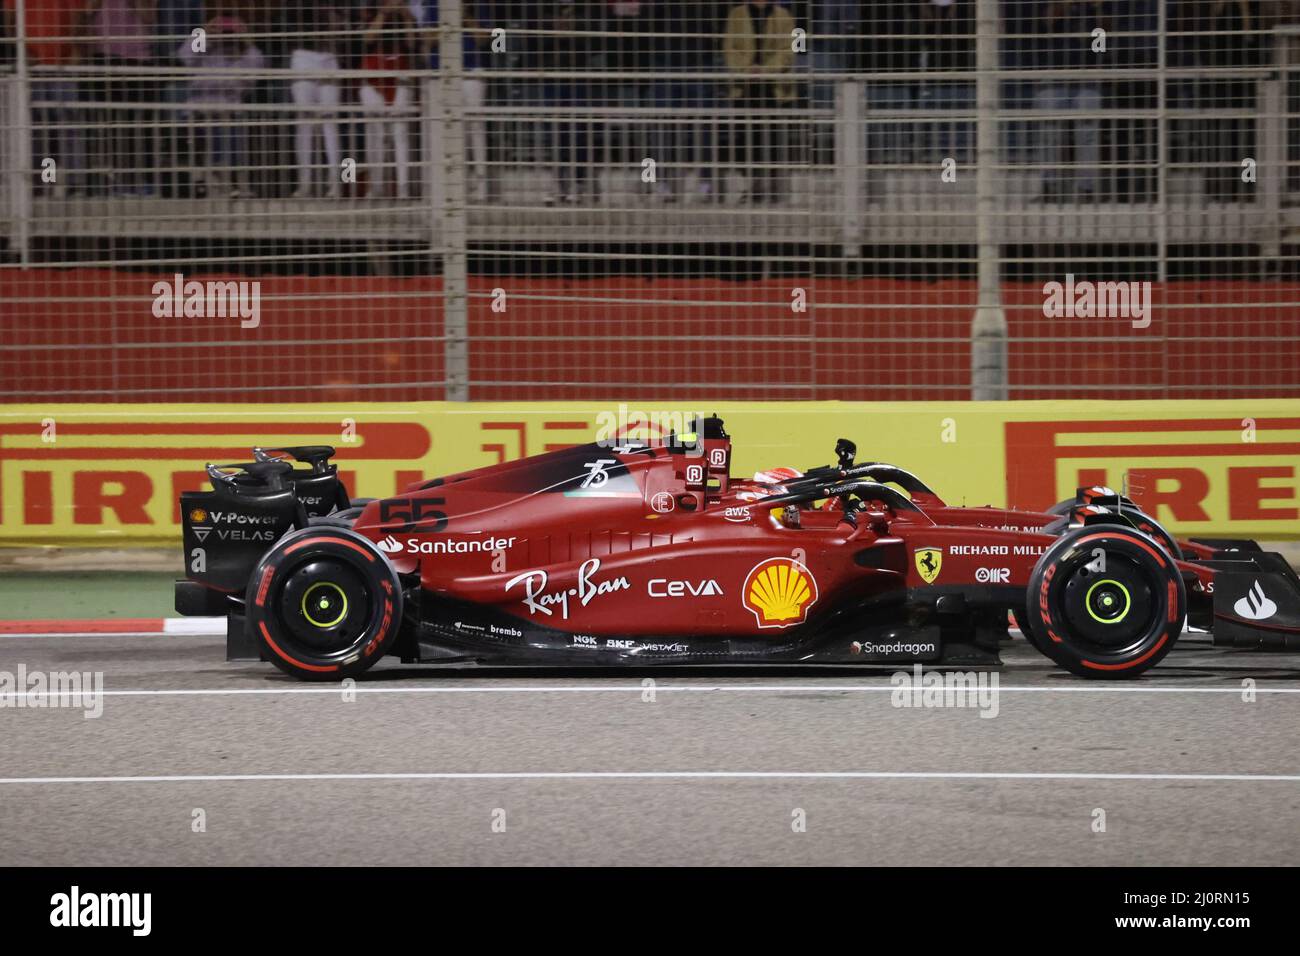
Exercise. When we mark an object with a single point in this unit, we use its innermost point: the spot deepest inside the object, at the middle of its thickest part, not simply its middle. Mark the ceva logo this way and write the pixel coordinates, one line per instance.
(1256, 605)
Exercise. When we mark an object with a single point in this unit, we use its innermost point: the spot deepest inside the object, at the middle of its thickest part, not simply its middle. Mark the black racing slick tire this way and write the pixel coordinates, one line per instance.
(324, 604)
(1137, 518)
(1106, 602)
(1026, 632)
(1152, 528)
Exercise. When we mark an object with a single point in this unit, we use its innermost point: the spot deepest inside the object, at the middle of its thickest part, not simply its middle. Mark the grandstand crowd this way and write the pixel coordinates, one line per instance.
(341, 77)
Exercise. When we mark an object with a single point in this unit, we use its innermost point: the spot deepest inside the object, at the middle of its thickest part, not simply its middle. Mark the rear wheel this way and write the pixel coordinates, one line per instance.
(324, 604)
(1105, 602)
(1151, 527)
(1026, 632)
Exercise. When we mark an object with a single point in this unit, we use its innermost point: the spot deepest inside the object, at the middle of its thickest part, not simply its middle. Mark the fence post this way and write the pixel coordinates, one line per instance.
(1271, 166)
(849, 134)
(988, 350)
(1163, 158)
(20, 142)
(451, 201)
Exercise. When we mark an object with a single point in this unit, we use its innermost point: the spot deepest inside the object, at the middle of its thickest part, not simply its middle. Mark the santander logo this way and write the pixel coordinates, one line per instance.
(1255, 606)
(389, 545)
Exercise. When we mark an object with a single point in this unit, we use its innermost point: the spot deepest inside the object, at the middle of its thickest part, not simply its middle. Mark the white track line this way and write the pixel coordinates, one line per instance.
(171, 627)
(194, 625)
(8, 698)
(100, 635)
(669, 775)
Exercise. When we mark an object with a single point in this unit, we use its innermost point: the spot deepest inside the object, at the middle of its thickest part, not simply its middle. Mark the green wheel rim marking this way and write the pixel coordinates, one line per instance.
(324, 603)
(1087, 602)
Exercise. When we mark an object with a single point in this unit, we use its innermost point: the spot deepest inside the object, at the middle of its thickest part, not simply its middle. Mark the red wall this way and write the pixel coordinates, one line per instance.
(380, 338)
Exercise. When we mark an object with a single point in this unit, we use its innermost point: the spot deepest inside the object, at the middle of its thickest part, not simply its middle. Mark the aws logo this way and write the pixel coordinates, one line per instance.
(779, 592)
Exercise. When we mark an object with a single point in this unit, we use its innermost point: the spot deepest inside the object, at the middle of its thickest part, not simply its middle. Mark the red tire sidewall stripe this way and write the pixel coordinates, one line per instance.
(318, 668)
(1127, 664)
(1141, 544)
(369, 556)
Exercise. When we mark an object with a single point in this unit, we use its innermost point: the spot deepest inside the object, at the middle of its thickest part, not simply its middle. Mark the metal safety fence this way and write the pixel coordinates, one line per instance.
(937, 199)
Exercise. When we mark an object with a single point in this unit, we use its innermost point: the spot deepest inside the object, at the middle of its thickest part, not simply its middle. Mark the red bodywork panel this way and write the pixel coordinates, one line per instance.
(634, 540)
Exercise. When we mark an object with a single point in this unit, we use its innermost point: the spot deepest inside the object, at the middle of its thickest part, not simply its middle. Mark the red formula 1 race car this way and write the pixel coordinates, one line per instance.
(639, 554)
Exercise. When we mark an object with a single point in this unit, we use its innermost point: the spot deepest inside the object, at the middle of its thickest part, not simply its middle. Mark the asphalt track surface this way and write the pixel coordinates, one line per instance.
(582, 768)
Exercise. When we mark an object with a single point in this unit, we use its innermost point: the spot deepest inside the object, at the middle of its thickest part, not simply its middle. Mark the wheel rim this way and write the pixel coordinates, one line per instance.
(324, 604)
(1108, 601)
(1112, 612)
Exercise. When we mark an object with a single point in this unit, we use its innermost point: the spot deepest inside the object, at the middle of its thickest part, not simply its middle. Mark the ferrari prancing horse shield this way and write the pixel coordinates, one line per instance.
(928, 563)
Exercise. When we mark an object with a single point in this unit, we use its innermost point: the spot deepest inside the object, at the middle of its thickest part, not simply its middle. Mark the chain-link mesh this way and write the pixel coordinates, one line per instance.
(932, 199)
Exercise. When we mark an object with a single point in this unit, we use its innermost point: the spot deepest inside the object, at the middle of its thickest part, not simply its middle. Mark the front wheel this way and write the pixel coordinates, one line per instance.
(324, 604)
(1134, 516)
(1105, 602)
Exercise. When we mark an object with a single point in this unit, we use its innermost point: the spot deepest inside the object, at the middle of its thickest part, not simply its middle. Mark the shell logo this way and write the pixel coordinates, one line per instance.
(198, 514)
(779, 591)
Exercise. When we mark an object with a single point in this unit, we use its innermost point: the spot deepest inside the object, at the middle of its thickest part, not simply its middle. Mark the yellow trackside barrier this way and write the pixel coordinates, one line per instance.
(97, 474)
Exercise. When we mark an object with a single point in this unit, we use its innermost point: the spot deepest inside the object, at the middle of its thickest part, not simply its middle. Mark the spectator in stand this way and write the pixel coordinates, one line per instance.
(176, 21)
(214, 96)
(889, 46)
(388, 97)
(52, 28)
(1132, 144)
(835, 30)
(1227, 35)
(8, 31)
(1183, 93)
(271, 144)
(321, 32)
(629, 48)
(121, 47)
(687, 45)
(1287, 12)
(474, 55)
(947, 46)
(757, 53)
(564, 50)
(1060, 38)
(475, 50)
